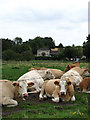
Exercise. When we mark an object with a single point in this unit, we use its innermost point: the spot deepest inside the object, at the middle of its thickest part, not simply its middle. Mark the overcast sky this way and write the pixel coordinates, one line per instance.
(66, 21)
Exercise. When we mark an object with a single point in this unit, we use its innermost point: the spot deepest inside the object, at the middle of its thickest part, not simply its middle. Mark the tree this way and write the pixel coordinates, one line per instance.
(60, 45)
(68, 52)
(27, 55)
(18, 40)
(39, 42)
(10, 55)
(7, 44)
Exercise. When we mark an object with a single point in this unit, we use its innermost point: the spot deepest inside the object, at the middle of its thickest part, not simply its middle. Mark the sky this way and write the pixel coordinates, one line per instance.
(66, 21)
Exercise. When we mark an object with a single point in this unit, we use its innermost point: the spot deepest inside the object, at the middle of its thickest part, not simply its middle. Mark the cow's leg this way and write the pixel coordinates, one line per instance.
(84, 90)
(37, 87)
(56, 97)
(42, 92)
(73, 98)
(9, 102)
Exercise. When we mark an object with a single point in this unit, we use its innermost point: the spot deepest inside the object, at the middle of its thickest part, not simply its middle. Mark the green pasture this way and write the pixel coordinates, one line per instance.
(12, 70)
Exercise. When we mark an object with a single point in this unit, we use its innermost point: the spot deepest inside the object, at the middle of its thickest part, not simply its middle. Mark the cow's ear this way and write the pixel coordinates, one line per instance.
(30, 84)
(68, 66)
(69, 82)
(86, 69)
(56, 83)
(15, 83)
(31, 69)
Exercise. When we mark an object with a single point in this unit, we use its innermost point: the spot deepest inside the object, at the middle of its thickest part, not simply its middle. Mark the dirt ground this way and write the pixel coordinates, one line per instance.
(32, 99)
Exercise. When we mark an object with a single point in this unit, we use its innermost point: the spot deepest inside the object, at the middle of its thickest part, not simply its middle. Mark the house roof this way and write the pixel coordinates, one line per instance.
(55, 49)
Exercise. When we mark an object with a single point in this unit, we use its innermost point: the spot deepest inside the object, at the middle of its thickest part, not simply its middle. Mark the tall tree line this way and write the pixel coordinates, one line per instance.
(18, 50)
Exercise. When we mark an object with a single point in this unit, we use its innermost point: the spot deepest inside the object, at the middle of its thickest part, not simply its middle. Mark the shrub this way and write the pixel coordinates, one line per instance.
(10, 55)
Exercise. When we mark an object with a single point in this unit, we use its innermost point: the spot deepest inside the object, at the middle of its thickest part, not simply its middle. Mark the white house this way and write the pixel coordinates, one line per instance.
(43, 52)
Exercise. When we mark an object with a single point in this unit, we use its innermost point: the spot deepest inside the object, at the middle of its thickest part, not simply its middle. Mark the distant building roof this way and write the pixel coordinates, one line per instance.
(55, 49)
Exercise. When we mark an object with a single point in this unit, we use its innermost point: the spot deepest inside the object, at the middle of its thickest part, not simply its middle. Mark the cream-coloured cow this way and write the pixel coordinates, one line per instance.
(56, 72)
(34, 79)
(57, 89)
(9, 91)
(75, 75)
(26, 79)
(46, 74)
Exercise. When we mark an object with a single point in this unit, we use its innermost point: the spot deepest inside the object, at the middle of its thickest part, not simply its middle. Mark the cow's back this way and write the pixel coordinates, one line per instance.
(30, 75)
(57, 73)
(50, 86)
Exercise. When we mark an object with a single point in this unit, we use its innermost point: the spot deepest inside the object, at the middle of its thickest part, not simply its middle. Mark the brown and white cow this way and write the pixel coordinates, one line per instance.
(75, 64)
(9, 92)
(57, 89)
(84, 84)
(38, 68)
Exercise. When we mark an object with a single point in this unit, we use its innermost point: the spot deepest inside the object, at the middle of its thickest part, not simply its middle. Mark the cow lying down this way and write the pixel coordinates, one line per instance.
(57, 89)
(33, 80)
(68, 67)
(56, 72)
(9, 91)
(75, 75)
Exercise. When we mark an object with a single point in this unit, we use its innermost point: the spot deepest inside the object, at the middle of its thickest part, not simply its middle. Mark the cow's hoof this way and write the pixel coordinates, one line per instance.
(40, 97)
(55, 100)
(23, 99)
(45, 96)
(73, 98)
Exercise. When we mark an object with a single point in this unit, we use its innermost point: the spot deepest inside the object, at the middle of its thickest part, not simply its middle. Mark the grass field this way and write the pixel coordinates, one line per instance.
(32, 107)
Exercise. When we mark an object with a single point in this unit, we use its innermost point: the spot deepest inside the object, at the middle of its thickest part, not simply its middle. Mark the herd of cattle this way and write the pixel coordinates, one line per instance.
(52, 83)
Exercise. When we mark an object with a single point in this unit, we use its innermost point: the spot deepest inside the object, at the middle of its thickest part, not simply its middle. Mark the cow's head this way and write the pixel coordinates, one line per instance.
(75, 64)
(67, 68)
(85, 72)
(49, 75)
(23, 86)
(63, 86)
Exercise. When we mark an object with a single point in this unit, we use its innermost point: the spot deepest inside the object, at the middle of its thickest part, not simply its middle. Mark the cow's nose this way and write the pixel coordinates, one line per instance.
(62, 93)
(25, 94)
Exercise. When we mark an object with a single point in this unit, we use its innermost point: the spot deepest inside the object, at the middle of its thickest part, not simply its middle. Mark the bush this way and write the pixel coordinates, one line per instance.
(27, 55)
(43, 58)
(10, 55)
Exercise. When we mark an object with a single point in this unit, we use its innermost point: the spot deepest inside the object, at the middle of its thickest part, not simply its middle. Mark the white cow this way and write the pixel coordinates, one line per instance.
(33, 79)
(24, 80)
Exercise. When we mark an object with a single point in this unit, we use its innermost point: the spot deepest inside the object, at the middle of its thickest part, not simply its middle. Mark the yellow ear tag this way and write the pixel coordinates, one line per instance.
(30, 84)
